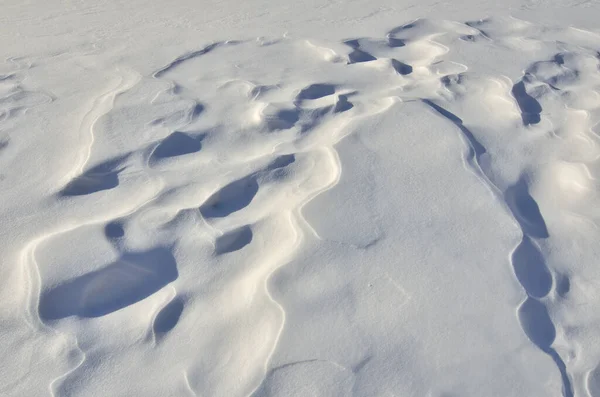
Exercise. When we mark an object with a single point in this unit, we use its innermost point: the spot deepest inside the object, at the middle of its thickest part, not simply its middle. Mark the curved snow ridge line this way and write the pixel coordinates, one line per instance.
(294, 216)
(190, 55)
(102, 105)
(473, 161)
(31, 269)
(32, 274)
(307, 227)
(476, 149)
(297, 243)
(533, 314)
(303, 223)
(170, 299)
(344, 131)
(56, 381)
(33, 290)
(301, 226)
(566, 84)
(188, 386)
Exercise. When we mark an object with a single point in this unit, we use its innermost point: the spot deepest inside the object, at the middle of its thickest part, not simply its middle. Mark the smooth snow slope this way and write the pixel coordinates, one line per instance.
(316, 199)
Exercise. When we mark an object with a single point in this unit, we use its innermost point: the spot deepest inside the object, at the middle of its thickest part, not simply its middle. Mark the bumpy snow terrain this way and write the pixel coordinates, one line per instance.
(320, 199)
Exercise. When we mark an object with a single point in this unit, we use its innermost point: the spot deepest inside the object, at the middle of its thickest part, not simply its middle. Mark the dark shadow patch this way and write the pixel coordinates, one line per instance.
(563, 285)
(342, 104)
(230, 198)
(474, 38)
(104, 176)
(402, 28)
(525, 210)
(559, 59)
(567, 388)
(358, 55)
(132, 278)
(177, 144)
(395, 43)
(529, 106)
(312, 117)
(452, 80)
(477, 147)
(282, 161)
(283, 119)
(190, 55)
(316, 91)
(531, 270)
(168, 317)
(197, 110)
(114, 230)
(477, 24)
(352, 43)
(536, 323)
(401, 68)
(233, 240)
(361, 364)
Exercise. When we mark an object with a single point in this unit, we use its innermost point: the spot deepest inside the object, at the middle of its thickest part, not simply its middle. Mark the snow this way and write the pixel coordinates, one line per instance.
(319, 198)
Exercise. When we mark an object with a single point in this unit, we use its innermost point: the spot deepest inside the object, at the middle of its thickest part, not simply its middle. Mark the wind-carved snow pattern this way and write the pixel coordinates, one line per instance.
(212, 162)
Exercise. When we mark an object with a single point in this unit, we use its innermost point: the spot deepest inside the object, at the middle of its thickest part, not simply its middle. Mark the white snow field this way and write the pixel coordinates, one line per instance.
(321, 198)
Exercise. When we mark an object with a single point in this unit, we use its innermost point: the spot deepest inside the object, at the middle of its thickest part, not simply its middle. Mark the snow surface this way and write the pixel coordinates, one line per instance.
(319, 198)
